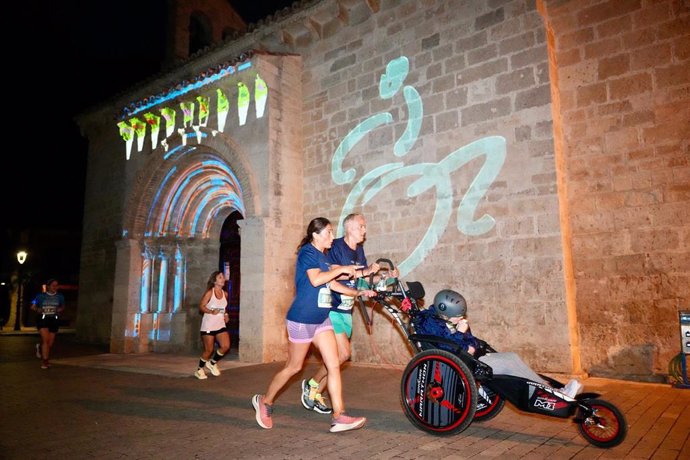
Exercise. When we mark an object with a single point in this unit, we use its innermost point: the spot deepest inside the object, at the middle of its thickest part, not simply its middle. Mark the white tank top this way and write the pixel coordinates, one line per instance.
(211, 322)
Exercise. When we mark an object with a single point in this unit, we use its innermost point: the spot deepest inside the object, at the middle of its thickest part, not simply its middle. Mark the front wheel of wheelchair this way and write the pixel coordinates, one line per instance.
(438, 393)
(604, 426)
(489, 404)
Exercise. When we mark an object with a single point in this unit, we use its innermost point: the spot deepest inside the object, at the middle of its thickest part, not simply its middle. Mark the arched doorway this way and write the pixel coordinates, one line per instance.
(230, 251)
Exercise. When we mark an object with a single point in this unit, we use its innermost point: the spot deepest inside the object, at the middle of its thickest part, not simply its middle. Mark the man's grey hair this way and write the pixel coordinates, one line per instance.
(349, 218)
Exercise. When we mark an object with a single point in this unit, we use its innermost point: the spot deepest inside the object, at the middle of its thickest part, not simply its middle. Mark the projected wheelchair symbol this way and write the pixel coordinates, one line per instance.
(429, 175)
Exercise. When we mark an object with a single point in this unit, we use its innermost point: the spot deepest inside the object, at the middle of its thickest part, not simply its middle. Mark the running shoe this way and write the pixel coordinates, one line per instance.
(38, 351)
(572, 388)
(320, 405)
(200, 374)
(344, 422)
(213, 368)
(263, 412)
(307, 402)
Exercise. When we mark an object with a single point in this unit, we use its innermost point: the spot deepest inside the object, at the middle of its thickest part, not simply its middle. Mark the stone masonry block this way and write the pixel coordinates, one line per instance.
(486, 70)
(483, 54)
(514, 81)
(614, 26)
(486, 111)
(343, 62)
(673, 75)
(519, 43)
(297, 35)
(431, 41)
(591, 94)
(633, 85)
(530, 56)
(353, 12)
(606, 10)
(534, 97)
(325, 22)
(489, 19)
(613, 66)
(658, 54)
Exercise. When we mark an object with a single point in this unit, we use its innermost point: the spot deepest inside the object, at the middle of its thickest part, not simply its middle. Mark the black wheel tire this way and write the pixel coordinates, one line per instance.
(607, 428)
(488, 407)
(438, 393)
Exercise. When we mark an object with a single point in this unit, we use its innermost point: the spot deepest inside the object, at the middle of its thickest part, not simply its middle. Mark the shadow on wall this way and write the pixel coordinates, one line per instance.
(630, 363)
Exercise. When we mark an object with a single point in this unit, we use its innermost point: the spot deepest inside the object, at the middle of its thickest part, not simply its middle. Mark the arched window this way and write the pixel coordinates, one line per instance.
(200, 33)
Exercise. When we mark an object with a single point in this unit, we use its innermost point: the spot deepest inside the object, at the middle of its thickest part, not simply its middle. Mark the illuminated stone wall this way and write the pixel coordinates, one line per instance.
(531, 155)
(471, 115)
(623, 84)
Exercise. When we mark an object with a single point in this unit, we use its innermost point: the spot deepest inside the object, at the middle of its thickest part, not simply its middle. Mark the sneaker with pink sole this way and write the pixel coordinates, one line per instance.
(263, 412)
(344, 422)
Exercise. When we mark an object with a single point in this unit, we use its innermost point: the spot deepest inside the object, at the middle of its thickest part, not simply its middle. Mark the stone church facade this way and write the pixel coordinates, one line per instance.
(531, 155)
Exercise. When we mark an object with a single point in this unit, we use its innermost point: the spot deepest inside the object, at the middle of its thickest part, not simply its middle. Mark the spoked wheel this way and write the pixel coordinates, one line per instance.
(438, 392)
(489, 404)
(605, 426)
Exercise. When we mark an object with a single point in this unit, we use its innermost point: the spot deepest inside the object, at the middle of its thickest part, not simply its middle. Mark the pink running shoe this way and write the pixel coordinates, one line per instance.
(263, 412)
(344, 422)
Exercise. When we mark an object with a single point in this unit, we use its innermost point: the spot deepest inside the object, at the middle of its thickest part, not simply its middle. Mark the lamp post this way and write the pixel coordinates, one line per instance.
(21, 258)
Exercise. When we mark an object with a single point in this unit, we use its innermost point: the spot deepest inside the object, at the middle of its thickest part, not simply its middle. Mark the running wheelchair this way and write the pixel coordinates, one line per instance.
(443, 392)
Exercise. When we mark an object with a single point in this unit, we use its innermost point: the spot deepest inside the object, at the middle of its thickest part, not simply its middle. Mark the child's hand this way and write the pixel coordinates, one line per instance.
(463, 325)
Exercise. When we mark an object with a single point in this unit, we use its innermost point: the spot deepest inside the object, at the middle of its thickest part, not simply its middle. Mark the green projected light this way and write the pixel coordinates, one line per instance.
(154, 122)
(127, 133)
(243, 97)
(260, 96)
(223, 109)
(188, 107)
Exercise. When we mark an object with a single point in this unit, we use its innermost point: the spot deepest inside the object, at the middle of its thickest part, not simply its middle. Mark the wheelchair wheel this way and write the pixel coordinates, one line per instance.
(438, 393)
(489, 404)
(605, 427)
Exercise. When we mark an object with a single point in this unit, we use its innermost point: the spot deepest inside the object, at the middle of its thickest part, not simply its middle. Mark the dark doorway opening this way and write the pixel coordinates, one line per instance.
(230, 265)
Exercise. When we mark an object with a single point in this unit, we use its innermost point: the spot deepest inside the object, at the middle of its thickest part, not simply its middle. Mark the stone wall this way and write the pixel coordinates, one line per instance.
(623, 83)
(480, 71)
(531, 155)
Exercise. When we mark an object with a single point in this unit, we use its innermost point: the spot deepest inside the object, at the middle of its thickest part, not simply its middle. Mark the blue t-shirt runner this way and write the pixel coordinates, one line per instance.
(341, 254)
(311, 304)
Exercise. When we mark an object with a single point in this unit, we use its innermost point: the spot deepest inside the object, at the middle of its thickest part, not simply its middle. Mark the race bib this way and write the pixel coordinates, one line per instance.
(346, 302)
(324, 298)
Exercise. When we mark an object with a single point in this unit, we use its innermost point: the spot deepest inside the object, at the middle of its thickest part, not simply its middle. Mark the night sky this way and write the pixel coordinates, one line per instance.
(68, 56)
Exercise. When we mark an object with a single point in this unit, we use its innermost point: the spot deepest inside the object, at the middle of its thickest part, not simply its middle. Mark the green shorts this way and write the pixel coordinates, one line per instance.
(342, 322)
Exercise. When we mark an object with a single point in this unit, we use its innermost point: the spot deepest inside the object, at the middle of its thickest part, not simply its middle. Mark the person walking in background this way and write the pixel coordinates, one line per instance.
(48, 305)
(308, 322)
(213, 327)
(344, 251)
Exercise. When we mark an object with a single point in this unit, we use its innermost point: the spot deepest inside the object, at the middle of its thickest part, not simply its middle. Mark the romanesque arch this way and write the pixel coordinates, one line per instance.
(174, 212)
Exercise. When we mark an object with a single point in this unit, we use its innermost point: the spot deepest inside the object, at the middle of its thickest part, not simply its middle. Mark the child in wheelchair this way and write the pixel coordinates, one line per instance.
(447, 319)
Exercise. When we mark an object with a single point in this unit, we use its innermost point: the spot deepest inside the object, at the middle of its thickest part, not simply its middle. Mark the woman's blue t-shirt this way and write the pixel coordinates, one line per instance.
(311, 304)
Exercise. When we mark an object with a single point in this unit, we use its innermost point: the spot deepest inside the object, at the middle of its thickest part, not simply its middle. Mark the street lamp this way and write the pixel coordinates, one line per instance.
(21, 258)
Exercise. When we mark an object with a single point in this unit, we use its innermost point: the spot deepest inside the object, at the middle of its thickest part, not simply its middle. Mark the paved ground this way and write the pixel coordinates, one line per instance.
(94, 405)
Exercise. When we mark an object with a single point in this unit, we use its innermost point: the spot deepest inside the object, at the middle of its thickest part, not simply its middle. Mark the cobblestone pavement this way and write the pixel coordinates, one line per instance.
(91, 405)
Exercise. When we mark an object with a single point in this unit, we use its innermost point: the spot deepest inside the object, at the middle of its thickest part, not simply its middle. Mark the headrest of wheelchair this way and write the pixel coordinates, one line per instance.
(415, 289)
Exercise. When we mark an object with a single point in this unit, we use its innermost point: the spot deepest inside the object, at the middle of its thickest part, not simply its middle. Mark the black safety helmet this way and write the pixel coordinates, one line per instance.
(450, 303)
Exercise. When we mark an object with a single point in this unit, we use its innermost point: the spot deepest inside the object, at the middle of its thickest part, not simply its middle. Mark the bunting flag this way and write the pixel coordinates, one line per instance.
(140, 130)
(187, 113)
(204, 104)
(243, 97)
(154, 122)
(127, 133)
(223, 109)
(169, 115)
(260, 96)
